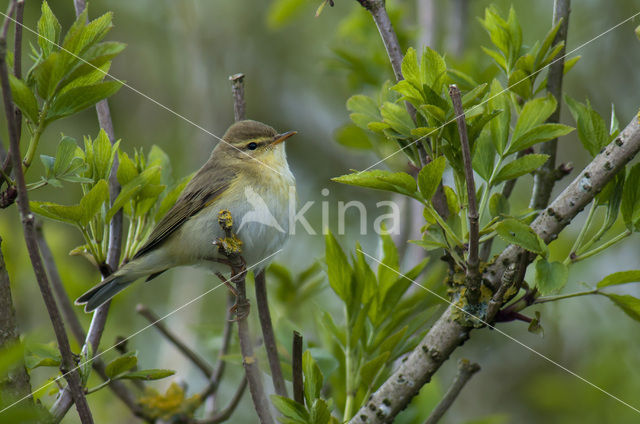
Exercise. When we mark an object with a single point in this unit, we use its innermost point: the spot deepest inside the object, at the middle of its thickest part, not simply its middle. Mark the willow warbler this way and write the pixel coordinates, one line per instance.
(249, 176)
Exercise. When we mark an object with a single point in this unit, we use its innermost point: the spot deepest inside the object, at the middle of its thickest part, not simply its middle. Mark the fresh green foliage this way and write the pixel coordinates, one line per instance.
(550, 276)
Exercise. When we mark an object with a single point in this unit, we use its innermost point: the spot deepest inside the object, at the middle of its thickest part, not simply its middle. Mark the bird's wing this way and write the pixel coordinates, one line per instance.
(205, 187)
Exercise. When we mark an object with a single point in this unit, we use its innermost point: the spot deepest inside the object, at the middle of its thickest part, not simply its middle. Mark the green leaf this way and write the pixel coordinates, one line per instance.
(65, 155)
(92, 202)
(538, 134)
(534, 113)
(365, 110)
(70, 214)
(499, 126)
(320, 412)
(290, 408)
(94, 76)
(41, 355)
(121, 365)
(546, 43)
(550, 277)
(79, 98)
(516, 232)
(592, 130)
(24, 98)
(338, 268)
(399, 182)
(519, 167)
(410, 69)
(629, 304)
(127, 169)
(372, 368)
(86, 356)
(630, 206)
(433, 67)
(622, 277)
(150, 374)
(353, 137)
(430, 176)
(484, 155)
(81, 35)
(397, 117)
(469, 98)
(498, 205)
(48, 30)
(313, 379)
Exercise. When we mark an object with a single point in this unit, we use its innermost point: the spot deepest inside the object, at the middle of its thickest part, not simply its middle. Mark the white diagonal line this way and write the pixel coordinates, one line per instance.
(135, 90)
(132, 335)
(507, 335)
(496, 95)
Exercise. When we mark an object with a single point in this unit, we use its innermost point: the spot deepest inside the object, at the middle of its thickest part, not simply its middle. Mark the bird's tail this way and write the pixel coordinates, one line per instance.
(105, 291)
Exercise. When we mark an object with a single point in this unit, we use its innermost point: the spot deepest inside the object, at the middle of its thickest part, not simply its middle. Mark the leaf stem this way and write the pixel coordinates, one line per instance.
(602, 247)
(581, 235)
(35, 138)
(546, 299)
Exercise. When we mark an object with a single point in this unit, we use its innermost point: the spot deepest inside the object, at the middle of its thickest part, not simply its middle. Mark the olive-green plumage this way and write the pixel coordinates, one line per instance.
(249, 162)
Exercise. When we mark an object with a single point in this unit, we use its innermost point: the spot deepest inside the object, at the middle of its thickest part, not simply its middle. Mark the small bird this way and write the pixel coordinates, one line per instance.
(249, 164)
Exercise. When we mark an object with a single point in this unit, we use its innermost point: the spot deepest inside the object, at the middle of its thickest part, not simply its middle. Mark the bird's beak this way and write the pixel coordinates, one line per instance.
(282, 137)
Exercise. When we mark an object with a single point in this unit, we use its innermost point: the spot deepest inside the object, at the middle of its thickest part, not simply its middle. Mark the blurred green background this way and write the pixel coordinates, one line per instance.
(180, 53)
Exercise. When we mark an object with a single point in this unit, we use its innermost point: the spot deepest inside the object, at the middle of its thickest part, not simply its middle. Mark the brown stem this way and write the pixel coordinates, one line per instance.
(182, 347)
(15, 383)
(447, 333)
(17, 57)
(68, 367)
(237, 88)
(268, 334)
(546, 177)
(473, 272)
(466, 370)
(296, 368)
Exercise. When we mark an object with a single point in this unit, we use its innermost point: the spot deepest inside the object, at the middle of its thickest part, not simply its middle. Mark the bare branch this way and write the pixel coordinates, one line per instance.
(67, 364)
(197, 360)
(237, 87)
(296, 368)
(268, 334)
(473, 273)
(546, 177)
(447, 334)
(466, 370)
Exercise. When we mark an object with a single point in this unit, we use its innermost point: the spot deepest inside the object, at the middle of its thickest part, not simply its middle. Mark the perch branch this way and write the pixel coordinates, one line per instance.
(182, 347)
(473, 272)
(296, 368)
(237, 88)
(230, 247)
(466, 370)
(546, 177)
(447, 334)
(68, 363)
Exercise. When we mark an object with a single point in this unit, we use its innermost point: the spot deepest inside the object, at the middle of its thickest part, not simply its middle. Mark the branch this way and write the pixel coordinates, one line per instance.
(16, 382)
(230, 247)
(466, 370)
(296, 368)
(473, 272)
(186, 350)
(237, 88)
(268, 335)
(545, 177)
(447, 334)
(67, 364)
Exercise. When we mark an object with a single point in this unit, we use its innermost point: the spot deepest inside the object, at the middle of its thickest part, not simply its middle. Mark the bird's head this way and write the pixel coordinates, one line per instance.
(247, 140)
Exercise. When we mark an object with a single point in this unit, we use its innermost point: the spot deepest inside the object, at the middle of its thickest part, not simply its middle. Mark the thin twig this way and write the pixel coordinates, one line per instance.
(225, 414)
(296, 368)
(68, 363)
(473, 272)
(237, 87)
(270, 343)
(546, 177)
(466, 370)
(182, 347)
(17, 56)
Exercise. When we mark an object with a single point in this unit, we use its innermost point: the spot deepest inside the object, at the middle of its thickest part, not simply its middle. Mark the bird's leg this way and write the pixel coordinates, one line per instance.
(241, 309)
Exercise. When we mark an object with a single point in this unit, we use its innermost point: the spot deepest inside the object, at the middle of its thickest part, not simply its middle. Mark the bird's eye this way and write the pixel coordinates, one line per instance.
(252, 146)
